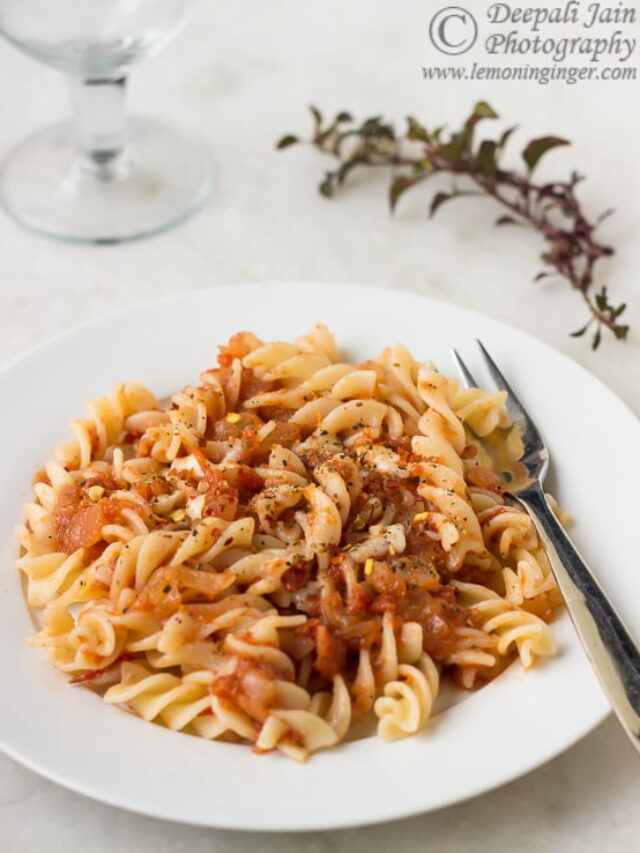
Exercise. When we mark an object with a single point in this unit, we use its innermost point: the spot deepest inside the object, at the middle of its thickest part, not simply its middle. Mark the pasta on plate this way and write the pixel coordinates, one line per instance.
(293, 545)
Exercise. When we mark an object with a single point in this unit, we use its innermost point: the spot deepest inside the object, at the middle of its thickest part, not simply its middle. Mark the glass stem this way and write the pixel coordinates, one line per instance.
(100, 126)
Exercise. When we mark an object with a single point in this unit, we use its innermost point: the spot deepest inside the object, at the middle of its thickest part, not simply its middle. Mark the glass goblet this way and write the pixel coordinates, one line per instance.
(100, 178)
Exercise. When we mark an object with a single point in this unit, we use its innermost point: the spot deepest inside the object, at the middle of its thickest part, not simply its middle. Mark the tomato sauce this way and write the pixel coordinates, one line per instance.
(78, 521)
(250, 687)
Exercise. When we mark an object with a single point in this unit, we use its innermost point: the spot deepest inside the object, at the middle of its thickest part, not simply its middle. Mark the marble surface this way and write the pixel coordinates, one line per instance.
(239, 76)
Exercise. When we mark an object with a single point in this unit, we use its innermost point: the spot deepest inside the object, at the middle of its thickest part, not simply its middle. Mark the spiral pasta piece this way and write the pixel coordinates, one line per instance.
(509, 532)
(95, 435)
(511, 625)
(159, 696)
(406, 703)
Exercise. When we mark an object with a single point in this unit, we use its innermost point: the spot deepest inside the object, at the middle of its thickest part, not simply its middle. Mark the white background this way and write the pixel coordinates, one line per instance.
(240, 76)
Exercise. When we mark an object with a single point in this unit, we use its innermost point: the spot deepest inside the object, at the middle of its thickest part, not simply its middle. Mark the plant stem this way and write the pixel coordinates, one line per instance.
(571, 249)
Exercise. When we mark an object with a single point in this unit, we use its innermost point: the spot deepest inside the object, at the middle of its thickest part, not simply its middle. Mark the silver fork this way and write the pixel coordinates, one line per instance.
(608, 644)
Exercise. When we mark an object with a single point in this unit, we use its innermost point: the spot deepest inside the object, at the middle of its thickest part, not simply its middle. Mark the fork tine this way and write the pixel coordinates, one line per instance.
(513, 405)
(496, 375)
(467, 377)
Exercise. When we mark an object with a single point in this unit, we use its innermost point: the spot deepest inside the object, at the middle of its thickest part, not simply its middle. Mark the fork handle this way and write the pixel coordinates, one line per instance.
(610, 648)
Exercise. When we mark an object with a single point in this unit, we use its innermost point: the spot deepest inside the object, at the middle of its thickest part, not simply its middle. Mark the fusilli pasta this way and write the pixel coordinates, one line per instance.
(294, 544)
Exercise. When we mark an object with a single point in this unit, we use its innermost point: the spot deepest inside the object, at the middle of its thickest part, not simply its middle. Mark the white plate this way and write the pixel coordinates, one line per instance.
(513, 725)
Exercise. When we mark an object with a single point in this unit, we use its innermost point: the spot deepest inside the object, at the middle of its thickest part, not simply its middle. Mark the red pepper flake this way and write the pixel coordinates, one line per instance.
(94, 673)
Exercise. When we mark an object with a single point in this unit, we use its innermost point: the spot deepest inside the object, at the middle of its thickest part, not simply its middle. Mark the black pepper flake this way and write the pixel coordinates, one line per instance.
(167, 588)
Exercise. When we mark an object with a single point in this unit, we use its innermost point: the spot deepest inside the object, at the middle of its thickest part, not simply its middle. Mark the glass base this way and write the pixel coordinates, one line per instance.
(160, 180)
